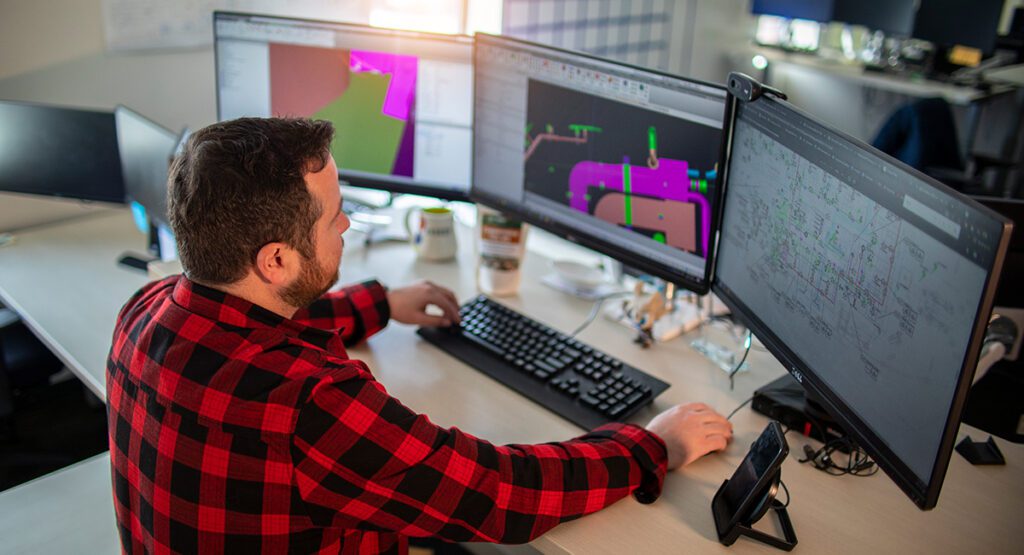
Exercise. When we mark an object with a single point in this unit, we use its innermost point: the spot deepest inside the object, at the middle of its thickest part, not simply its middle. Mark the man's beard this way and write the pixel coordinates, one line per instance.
(311, 284)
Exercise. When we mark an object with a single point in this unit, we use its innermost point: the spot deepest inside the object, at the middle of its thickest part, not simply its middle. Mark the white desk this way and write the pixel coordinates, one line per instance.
(68, 511)
(855, 73)
(979, 509)
(64, 281)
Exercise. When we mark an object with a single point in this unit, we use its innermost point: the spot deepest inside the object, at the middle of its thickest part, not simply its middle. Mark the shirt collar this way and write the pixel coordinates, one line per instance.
(229, 309)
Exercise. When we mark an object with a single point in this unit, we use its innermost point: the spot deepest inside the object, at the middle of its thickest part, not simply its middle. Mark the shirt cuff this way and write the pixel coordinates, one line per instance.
(648, 450)
(370, 300)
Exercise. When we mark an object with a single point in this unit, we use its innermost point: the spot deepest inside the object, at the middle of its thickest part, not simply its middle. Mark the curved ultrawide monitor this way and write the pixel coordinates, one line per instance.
(870, 281)
(400, 101)
(618, 158)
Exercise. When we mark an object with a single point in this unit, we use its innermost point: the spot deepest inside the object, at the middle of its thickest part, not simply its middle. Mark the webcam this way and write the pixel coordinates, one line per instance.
(746, 88)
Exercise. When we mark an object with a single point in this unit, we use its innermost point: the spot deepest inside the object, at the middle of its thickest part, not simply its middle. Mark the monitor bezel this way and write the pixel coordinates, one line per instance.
(161, 218)
(112, 200)
(630, 258)
(346, 177)
(924, 494)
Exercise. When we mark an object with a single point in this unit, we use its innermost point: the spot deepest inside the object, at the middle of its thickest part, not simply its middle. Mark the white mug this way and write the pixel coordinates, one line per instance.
(434, 237)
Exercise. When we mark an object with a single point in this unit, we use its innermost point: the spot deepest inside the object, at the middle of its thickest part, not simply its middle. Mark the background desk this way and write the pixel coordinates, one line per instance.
(986, 119)
(65, 282)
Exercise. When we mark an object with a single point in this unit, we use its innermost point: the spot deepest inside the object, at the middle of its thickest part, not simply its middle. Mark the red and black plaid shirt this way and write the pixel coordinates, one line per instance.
(234, 429)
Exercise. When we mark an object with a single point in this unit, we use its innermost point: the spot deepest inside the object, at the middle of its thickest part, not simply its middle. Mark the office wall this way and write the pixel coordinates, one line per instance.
(721, 29)
(55, 51)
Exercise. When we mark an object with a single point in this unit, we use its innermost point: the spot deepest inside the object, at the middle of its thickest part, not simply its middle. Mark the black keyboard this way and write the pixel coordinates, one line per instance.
(566, 376)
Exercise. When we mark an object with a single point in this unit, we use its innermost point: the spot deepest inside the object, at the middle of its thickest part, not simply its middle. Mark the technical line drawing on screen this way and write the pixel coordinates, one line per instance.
(590, 166)
(863, 276)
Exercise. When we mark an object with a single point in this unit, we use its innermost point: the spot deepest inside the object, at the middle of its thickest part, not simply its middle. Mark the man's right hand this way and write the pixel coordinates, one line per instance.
(690, 432)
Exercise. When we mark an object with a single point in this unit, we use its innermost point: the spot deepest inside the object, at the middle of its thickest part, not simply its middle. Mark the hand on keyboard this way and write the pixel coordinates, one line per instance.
(409, 305)
(690, 432)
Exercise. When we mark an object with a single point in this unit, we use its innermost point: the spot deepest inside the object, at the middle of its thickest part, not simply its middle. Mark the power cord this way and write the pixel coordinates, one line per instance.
(596, 309)
(858, 463)
(784, 488)
(746, 351)
(737, 409)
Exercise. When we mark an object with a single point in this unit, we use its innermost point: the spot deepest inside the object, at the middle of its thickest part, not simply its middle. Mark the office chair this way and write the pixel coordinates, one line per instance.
(923, 135)
(24, 362)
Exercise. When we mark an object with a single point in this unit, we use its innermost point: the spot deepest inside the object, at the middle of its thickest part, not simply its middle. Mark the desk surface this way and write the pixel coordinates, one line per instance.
(71, 266)
(65, 282)
(917, 87)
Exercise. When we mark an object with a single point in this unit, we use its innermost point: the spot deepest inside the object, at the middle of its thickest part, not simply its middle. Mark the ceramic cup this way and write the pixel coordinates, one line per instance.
(434, 237)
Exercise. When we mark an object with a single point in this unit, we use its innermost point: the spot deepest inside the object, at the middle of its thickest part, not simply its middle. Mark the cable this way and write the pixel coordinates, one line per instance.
(746, 351)
(858, 463)
(737, 409)
(596, 309)
(785, 489)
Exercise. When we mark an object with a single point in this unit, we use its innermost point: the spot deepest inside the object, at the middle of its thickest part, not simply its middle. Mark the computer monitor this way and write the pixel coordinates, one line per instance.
(955, 22)
(815, 10)
(146, 150)
(618, 158)
(57, 151)
(871, 282)
(892, 17)
(1010, 293)
(401, 101)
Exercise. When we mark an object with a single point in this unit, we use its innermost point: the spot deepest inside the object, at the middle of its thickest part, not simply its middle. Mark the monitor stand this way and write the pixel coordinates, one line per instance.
(788, 402)
(372, 214)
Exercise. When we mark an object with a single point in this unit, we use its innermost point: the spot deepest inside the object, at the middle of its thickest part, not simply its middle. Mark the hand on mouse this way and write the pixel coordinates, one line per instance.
(691, 431)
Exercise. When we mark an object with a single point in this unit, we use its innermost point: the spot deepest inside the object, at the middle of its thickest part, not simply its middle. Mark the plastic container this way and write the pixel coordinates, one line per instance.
(501, 244)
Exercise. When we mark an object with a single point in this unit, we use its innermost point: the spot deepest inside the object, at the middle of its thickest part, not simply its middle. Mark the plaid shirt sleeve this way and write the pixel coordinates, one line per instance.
(359, 311)
(363, 460)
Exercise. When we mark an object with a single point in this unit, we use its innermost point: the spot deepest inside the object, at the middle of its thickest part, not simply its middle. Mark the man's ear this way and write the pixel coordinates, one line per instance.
(277, 264)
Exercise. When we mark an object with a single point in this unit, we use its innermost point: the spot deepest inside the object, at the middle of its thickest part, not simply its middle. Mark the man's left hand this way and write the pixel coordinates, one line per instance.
(409, 305)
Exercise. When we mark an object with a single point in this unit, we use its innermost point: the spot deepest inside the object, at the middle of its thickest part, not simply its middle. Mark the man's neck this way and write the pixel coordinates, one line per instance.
(252, 289)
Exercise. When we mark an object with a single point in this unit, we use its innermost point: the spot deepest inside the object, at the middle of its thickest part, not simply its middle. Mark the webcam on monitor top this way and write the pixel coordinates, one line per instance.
(746, 88)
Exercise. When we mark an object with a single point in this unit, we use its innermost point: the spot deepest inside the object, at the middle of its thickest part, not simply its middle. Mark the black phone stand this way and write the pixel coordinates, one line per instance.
(730, 529)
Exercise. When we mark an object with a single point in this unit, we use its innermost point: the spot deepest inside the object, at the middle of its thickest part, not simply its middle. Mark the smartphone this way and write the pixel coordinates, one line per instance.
(750, 490)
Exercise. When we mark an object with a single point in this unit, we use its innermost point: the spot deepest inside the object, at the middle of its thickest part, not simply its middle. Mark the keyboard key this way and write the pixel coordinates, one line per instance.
(633, 399)
(590, 400)
(486, 344)
(555, 363)
(617, 410)
(544, 366)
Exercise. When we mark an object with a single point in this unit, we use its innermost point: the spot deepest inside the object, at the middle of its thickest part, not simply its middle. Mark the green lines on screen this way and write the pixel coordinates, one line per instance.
(578, 128)
(627, 190)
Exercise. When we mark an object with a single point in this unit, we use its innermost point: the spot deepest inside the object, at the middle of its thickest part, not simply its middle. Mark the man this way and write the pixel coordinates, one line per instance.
(239, 423)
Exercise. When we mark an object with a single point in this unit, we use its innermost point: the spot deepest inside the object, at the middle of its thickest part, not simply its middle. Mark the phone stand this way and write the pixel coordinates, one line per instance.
(731, 527)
